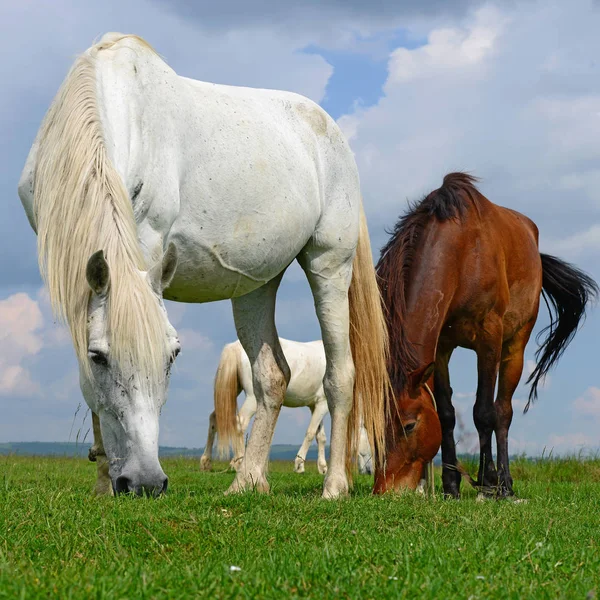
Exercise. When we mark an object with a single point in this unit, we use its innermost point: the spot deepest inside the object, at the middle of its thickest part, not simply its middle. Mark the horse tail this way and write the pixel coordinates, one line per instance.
(369, 344)
(566, 291)
(227, 388)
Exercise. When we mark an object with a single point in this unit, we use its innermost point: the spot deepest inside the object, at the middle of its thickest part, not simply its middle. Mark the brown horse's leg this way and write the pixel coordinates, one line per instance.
(488, 350)
(443, 397)
(511, 368)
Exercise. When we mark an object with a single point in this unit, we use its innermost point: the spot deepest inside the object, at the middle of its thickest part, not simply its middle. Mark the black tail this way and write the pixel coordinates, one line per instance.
(566, 291)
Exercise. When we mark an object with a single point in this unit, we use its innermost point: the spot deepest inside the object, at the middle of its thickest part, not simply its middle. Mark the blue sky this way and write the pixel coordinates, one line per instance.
(508, 91)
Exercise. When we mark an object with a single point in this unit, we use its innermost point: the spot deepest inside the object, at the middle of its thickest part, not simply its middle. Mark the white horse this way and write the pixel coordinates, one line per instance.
(234, 374)
(142, 184)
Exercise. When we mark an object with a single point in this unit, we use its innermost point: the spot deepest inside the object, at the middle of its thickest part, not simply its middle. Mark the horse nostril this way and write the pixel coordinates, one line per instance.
(122, 485)
(154, 491)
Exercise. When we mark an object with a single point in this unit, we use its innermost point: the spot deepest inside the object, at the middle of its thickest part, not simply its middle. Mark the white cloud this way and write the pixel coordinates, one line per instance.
(449, 50)
(495, 96)
(583, 242)
(194, 340)
(16, 381)
(20, 323)
(562, 443)
(257, 56)
(588, 404)
(520, 445)
(545, 381)
(518, 404)
(554, 444)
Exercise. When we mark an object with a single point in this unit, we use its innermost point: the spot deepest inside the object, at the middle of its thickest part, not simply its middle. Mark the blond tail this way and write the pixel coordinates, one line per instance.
(227, 389)
(369, 343)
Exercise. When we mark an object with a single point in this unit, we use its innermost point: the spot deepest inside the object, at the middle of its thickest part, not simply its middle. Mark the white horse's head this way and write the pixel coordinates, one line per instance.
(127, 398)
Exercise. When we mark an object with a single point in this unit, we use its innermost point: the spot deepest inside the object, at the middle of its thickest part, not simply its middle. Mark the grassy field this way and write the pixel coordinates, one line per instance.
(56, 540)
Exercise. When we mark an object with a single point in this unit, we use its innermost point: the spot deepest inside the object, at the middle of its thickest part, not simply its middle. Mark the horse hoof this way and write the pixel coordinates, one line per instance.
(422, 487)
(335, 487)
(451, 496)
(248, 483)
(205, 464)
(299, 466)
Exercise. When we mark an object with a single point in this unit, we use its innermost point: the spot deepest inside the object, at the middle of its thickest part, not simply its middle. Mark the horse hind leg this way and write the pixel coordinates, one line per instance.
(511, 369)
(206, 460)
(329, 278)
(247, 411)
(321, 443)
(488, 351)
(317, 413)
(254, 316)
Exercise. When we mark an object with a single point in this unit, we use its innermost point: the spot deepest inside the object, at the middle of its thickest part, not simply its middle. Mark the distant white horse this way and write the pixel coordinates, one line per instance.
(142, 184)
(234, 374)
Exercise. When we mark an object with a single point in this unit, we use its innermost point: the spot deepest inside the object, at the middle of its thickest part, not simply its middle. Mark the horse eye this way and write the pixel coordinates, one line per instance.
(98, 358)
(409, 427)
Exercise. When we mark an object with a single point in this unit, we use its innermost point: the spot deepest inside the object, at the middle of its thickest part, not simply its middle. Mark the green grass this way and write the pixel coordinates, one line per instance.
(56, 540)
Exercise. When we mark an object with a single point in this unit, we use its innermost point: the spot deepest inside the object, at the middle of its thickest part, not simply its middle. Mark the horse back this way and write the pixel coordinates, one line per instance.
(501, 266)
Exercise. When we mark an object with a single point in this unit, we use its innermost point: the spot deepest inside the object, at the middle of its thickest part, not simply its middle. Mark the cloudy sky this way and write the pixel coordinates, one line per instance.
(509, 91)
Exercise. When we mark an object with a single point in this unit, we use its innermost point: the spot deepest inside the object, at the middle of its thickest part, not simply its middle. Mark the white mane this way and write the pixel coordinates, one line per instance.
(81, 206)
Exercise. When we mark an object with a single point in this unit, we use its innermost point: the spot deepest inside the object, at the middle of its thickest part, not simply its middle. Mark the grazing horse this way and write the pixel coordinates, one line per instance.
(462, 271)
(143, 185)
(234, 374)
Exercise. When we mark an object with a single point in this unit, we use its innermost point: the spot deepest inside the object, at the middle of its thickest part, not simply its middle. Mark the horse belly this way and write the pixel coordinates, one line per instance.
(229, 256)
(307, 379)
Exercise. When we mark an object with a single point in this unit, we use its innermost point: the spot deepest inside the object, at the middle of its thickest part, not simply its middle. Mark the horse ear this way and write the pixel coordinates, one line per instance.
(97, 273)
(162, 273)
(420, 377)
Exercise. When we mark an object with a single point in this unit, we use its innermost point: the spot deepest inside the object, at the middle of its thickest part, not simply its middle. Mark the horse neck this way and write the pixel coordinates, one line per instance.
(429, 292)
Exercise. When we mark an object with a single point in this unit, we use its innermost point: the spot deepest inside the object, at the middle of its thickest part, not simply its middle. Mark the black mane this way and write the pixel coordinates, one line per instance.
(449, 201)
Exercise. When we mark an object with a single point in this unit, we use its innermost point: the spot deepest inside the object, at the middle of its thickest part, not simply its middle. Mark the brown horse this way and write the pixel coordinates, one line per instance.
(462, 271)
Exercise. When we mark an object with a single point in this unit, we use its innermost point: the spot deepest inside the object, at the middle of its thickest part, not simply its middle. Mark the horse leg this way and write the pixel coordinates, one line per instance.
(315, 420)
(511, 369)
(97, 455)
(321, 442)
(443, 397)
(488, 351)
(206, 460)
(330, 290)
(247, 411)
(254, 316)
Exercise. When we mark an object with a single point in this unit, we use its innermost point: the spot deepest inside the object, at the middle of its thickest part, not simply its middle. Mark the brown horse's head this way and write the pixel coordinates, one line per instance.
(413, 438)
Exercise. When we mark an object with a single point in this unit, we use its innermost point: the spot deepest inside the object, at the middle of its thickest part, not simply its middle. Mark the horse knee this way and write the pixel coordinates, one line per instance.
(504, 413)
(273, 383)
(447, 416)
(338, 385)
(484, 416)
(310, 434)
(321, 437)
